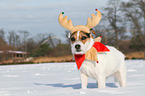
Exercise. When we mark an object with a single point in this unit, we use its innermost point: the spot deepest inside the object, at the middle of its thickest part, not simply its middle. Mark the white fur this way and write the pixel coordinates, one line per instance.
(78, 33)
(110, 63)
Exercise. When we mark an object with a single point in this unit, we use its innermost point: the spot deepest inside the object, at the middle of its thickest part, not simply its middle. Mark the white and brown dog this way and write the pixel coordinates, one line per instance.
(87, 56)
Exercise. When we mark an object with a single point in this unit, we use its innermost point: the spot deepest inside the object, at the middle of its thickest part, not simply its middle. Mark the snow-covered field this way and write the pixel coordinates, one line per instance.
(62, 79)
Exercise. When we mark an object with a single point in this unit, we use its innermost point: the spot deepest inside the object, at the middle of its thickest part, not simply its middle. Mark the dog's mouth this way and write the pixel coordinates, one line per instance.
(78, 50)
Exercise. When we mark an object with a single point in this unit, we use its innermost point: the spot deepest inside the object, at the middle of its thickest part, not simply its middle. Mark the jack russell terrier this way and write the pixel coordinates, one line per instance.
(94, 59)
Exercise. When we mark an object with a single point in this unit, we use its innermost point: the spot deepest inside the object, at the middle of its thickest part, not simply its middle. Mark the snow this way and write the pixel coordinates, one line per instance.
(63, 79)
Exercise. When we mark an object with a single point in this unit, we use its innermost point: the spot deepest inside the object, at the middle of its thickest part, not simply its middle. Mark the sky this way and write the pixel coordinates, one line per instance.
(41, 16)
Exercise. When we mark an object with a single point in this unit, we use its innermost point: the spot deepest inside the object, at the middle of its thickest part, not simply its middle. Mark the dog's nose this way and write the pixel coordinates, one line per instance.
(78, 46)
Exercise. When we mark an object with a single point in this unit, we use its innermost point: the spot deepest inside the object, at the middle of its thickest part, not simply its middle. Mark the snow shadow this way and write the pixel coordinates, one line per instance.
(77, 86)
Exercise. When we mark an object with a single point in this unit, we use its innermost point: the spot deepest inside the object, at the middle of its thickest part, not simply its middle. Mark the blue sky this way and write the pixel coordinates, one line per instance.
(41, 16)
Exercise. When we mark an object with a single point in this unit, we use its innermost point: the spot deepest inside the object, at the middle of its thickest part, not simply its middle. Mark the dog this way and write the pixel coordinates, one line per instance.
(93, 62)
(110, 63)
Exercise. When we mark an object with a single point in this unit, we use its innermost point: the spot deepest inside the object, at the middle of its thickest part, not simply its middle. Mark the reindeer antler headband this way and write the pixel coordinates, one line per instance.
(91, 22)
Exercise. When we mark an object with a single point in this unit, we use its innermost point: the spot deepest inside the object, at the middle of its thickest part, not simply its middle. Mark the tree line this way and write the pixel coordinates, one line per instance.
(35, 45)
(122, 26)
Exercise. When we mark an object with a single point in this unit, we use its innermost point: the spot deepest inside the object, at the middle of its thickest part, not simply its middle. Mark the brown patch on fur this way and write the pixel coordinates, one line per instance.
(81, 36)
(91, 54)
(74, 36)
(98, 39)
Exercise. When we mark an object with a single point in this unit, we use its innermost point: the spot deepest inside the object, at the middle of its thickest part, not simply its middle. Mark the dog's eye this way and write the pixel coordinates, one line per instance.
(72, 39)
(84, 38)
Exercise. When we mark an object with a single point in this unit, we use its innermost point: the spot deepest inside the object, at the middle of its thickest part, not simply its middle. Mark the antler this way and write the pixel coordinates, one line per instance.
(64, 22)
(95, 20)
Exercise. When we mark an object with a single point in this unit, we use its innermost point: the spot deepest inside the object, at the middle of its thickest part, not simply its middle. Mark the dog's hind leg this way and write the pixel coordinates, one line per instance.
(84, 79)
(121, 75)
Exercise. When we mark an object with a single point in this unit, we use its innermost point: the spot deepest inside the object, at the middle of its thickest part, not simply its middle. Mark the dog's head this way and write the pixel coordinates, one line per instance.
(81, 42)
(81, 39)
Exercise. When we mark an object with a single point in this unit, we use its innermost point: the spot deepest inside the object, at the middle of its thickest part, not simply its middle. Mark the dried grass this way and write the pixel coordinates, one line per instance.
(135, 55)
(52, 59)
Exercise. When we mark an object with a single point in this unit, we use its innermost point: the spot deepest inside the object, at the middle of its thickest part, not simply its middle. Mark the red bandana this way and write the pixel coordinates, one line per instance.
(100, 47)
(80, 58)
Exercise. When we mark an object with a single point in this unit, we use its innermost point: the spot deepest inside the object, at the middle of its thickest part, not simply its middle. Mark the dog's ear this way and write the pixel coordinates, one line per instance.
(92, 54)
(98, 39)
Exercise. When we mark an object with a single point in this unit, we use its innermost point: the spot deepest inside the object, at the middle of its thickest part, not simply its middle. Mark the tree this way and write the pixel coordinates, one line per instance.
(51, 41)
(40, 37)
(2, 39)
(62, 50)
(44, 50)
(24, 35)
(115, 21)
(2, 33)
(135, 12)
(31, 46)
(14, 39)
